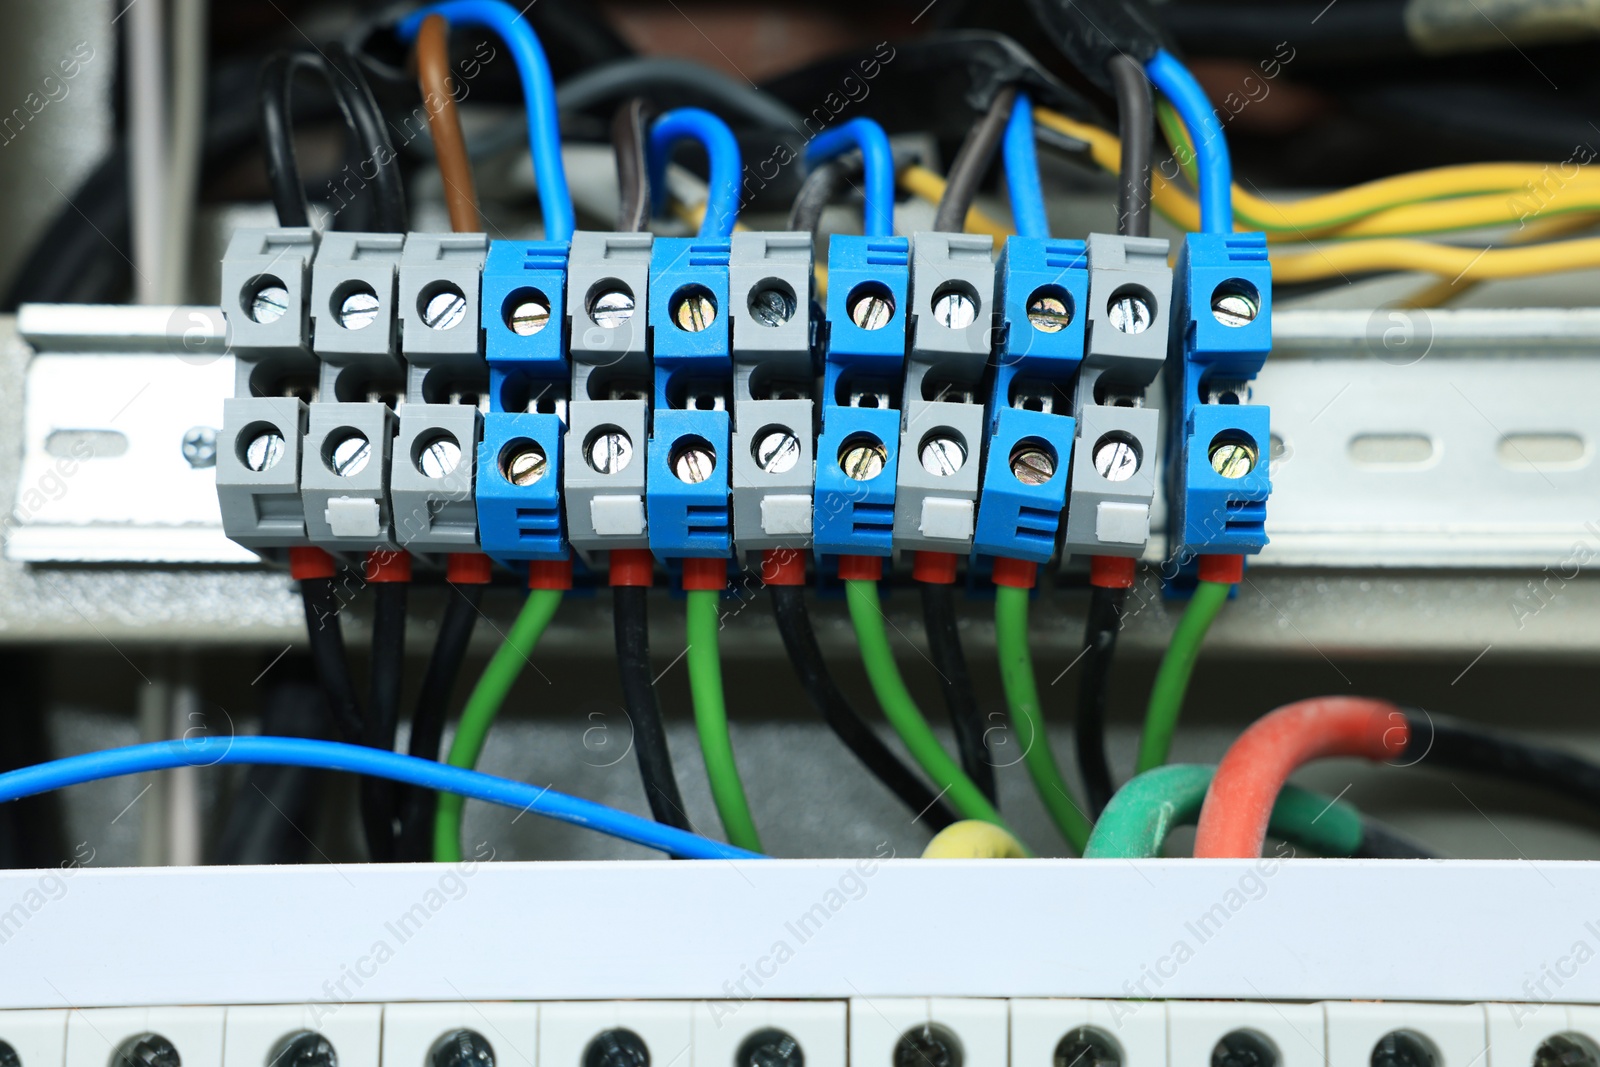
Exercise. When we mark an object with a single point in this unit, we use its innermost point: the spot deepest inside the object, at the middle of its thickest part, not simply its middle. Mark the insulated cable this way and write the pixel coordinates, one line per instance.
(711, 718)
(1135, 121)
(358, 759)
(538, 88)
(444, 124)
(878, 167)
(1023, 185)
(722, 149)
(630, 607)
(794, 626)
(1101, 627)
(972, 162)
(633, 187)
(821, 184)
(1022, 696)
(1443, 742)
(1216, 169)
(379, 799)
(955, 682)
(974, 839)
(328, 657)
(1172, 677)
(920, 181)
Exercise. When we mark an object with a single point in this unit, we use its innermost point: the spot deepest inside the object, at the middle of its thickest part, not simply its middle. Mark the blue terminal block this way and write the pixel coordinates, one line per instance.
(519, 460)
(687, 484)
(858, 451)
(1044, 300)
(1218, 477)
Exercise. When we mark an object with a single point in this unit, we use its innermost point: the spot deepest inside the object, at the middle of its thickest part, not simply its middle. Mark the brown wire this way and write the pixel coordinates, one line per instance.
(444, 123)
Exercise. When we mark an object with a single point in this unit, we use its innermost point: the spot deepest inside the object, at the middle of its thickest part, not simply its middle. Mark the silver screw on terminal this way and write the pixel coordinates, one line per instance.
(1130, 313)
(524, 465)
(359, 309)
(954, 309)
(350, 455)
(269, 303)
(200, 447)
(307, 1048)
(439, 456)
(942, 455)
(1234, 307)
(694, 463)
(445, 309)
(772, 306)
(610, 451)
(264, 450)
(694, 310)
(612, 308)
(1049, 313)
(872, 311)
(777, 451)
(769, 1047)
(1233, 459)
(528, 317)
(1032, 465)
(1116, 458)
(863, 460)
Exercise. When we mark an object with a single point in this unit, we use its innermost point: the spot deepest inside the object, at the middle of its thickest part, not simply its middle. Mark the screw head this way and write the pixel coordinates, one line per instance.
(350, 454)
(872, 310)
(528, 316)
(612, 308)
(524, 464)
(693, 309)
(1116, 458)
(863, 459)
(8, 1056)
(1087, 1047)
(927, 1045)
(617, 1047)
(445, 309)
(1558, 1050)
(769, 1047)
(304, 1049)
(609, 451)
(462, 1048)
(693, 463)
(1032, 465)
(439, 456)
(1233, 459)
(1048, 312)
(1130, 313)
(777, 450)
(772, 306)
(200, 447)
(264, 450)
(1243, 1048)
(1234, 307)
(954, 309)
(269, 303)
(358, 309)
(146, 1050)
(942, 455)
(1402, 1048)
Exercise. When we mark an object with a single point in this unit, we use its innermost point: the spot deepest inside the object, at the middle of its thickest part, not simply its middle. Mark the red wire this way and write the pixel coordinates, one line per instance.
(1233, 820)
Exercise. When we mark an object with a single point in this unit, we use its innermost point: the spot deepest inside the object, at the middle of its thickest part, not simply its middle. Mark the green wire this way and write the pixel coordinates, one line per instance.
(1143, 811)
(711, 719)
(482, 707)
(1022, 695)
(902, 711)
(1172, 679)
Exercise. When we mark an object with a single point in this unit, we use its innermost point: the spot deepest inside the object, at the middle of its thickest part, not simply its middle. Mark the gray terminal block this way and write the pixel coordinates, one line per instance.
(344, 479)
(942, 415)
(1113, 481)
(608, 297)
(431, 478)
(354, 328)
(603, 475)
(266, 277)
(1130, 293)
(441, 338)
(258, 471)
(769, 290)
(774, 466)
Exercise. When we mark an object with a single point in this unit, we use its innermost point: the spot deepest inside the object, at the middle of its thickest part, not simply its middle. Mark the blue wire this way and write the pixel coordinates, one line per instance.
(359, 759)
(1211, 147)
(877, 166)
(538, 88)
(1022, 172)
(684, 123)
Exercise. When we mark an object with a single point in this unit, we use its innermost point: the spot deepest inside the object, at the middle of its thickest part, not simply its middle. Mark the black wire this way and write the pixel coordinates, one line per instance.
(30, 829)
(1380, 842)
(1439, 741)
(794, 623)
(972, 163)
(633, 181)
(379, 795)
(417, 806)
(1089, 728)
(326, 639)
(1135, 122)
(272, 818)
(632, 618)
(819, 189)
(944, 646)
(1065, 143)
(372, 135)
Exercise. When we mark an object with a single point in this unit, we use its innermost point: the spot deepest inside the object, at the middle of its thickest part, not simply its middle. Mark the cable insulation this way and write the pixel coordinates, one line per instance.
(1023, 185)
(1136, 124)
(711, 719)
(444, 125)
(1089, 726)
(955, 681)
(631, 622)
(1211, 147)
(628, 128)
(379, 802)
(722, 149)
(972, 162)
(877, 164)
(1172, 677)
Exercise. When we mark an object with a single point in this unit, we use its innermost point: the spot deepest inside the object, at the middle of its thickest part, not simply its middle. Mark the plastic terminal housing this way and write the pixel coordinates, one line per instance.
(687, 492)
(1219, 476)
(770, 296)
(520, 514)
(1043, 293)
(864, 342)
(1113, 480)
(607, 437)
(943, 420)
